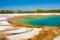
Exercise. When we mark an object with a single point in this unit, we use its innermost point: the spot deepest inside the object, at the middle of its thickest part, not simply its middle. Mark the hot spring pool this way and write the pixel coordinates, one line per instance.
(42, 21)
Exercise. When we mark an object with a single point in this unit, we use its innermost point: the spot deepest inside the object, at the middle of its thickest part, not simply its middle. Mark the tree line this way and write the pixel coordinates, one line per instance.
(6, 11)
(36, 11)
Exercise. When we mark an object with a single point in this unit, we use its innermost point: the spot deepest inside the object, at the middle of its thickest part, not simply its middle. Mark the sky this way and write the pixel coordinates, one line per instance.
(29, 5)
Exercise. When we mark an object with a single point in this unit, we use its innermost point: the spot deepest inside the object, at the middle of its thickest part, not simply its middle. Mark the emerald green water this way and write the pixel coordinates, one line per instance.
(42, 21)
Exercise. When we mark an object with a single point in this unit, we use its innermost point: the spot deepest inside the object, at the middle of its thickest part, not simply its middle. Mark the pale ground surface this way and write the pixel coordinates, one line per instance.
(26, 33)
(23, 33)
(57, 38)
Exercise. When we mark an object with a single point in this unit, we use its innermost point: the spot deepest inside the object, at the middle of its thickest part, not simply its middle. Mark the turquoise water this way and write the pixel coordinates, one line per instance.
(45, 21)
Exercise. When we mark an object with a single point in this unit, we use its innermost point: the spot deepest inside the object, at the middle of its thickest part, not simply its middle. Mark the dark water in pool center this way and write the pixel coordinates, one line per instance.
(43, 21)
